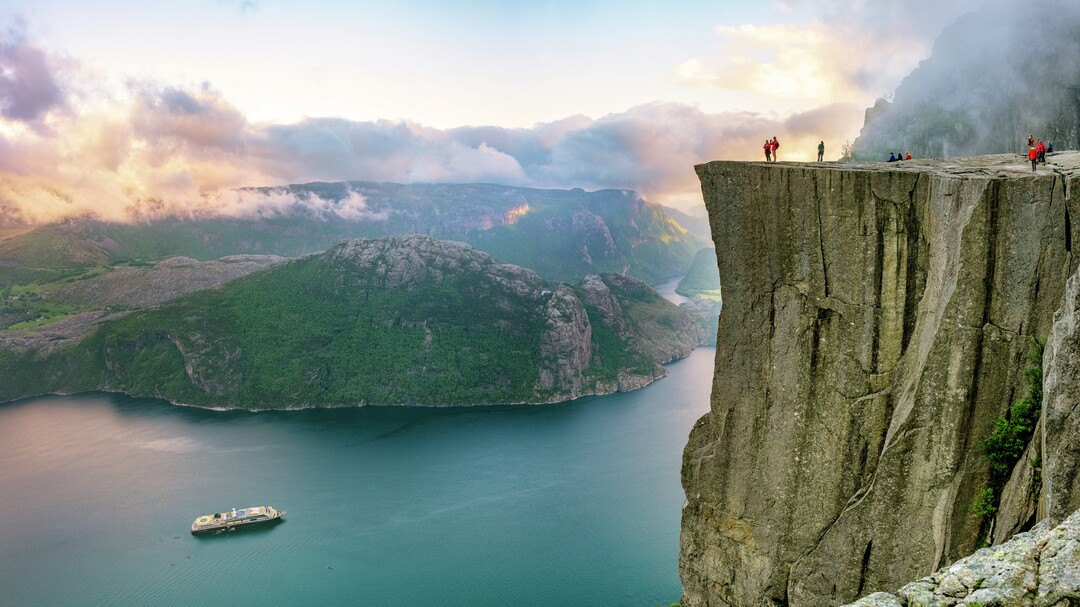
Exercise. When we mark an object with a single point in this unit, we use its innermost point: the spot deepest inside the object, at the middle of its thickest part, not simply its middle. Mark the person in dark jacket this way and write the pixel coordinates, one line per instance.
(820, 151)
(892, 157)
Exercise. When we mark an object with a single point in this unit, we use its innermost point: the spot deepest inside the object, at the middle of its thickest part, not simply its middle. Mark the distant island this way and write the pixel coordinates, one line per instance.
(400, 320)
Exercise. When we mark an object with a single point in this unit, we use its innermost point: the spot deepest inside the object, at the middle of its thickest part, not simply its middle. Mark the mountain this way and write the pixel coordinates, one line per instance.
(703, 278)
(702, 286)
(995, 76)
(562, 234)
(390, 321)
(898, 367)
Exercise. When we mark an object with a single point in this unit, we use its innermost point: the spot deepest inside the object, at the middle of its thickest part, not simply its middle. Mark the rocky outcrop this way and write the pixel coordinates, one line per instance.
(565, 344)
(877, 318)
(1037, 568)
(132, 287)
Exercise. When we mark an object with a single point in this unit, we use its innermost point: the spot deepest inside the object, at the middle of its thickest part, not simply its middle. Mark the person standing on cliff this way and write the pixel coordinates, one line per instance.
(768, 151)
(820, 150)
(775, 145)
(1040, 149)
(1031, 141)
(1033, 156)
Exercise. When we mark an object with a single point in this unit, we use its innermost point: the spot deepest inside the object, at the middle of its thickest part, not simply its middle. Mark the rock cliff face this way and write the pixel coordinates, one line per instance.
(877, 318)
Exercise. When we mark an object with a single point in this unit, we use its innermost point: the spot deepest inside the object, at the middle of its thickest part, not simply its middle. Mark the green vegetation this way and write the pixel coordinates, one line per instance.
(985, 503)
(703, 278)
(23, 308)
(363, 323)
(1009, 438)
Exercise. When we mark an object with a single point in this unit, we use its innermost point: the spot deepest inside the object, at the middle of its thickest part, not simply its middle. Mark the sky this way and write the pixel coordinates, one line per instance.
(123, 109)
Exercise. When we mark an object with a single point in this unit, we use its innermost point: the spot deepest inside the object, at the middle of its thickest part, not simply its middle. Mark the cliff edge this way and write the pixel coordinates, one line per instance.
(877, 319)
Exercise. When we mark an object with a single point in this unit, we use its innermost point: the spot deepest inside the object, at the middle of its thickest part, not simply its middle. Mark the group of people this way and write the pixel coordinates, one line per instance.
(772, 145)
(897, 157)
(1037, 151)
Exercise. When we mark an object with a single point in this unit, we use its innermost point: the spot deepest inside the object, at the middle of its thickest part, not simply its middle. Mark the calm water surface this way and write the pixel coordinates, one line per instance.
(571, 504)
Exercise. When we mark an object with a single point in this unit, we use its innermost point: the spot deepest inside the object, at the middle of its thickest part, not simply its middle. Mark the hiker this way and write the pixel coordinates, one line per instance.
(768, 151)
(892, 157)
(1049, 147)
(820, 150)
(1040, 149)
(1033, 156)
(907, 156)
(775, 146)
(1031, 141)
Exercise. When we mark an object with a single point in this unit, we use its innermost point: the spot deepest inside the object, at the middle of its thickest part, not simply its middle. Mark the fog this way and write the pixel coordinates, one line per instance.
(998, 74)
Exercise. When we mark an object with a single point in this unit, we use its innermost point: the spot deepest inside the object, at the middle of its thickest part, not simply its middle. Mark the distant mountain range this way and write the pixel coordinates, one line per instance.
(561, 234)
(390, 321)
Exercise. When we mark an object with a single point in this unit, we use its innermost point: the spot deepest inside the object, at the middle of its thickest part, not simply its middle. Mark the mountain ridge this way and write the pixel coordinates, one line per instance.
(389, 321)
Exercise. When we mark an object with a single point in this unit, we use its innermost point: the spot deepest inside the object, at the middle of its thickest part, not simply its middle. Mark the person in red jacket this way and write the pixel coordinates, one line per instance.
(768, 150)
(1033, 156)
(907, 156)
(1040, 149)
(775, 146)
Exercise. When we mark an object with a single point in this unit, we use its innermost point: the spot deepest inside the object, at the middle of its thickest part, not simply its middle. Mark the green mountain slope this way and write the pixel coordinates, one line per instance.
(391, 321)
(703, 278)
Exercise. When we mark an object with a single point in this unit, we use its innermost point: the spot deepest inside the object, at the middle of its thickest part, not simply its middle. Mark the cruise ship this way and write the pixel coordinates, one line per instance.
(235, 519)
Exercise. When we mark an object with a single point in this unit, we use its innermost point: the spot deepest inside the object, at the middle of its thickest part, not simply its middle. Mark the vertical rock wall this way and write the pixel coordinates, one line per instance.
(876, 319)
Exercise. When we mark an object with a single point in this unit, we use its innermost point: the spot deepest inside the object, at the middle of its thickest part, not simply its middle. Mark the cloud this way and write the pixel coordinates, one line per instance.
(28, 90)
(814, 63)
(844, 50)
(147, 149)
(833, 118)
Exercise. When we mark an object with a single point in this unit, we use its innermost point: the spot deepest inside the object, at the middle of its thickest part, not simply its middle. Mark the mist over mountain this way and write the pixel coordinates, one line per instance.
(995, 76)
(562, 234)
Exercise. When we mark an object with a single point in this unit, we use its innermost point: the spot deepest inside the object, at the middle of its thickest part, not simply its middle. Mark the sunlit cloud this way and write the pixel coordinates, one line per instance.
(144, 149)
(812, 64)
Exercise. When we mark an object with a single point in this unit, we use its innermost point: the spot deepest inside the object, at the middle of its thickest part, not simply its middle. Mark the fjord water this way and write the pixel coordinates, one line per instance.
(569, 504)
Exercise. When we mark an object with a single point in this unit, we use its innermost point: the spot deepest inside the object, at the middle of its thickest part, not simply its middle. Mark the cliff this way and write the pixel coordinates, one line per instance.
(877, 320)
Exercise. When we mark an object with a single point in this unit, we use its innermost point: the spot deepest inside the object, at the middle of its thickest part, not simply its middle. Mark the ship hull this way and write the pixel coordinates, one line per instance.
(235, 520)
